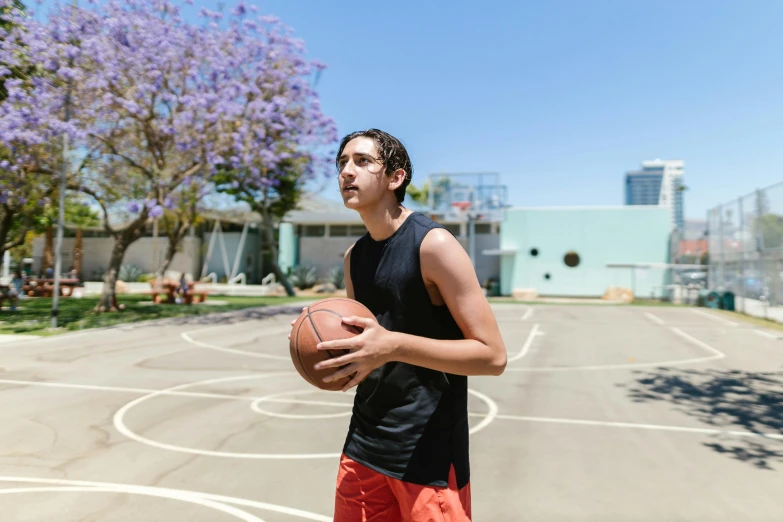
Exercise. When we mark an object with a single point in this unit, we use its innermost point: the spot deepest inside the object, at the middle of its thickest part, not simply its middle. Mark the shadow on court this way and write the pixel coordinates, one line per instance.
(726, 399)
(222, 318)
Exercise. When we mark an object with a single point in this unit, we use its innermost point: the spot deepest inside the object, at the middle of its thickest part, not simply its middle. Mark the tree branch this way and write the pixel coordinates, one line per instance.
(130, 160)
(94, 195)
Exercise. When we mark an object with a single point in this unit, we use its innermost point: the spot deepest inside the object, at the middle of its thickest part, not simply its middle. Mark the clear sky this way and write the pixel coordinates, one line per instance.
(560, 97)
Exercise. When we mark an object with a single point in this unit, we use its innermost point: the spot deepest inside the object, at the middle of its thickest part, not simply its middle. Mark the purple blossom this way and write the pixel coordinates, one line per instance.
(134, 207)
(156, 211)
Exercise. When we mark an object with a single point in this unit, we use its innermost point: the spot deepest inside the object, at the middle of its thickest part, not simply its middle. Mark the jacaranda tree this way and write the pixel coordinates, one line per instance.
(159, 103)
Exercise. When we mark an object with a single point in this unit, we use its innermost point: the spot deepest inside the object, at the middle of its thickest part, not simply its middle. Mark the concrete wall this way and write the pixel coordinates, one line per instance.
(97, 252)
(598, 235)
(249, 258)
(325, 253)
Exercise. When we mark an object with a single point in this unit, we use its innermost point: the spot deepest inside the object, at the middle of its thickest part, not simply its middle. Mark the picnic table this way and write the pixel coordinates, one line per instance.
(165, 292)
(44, 287)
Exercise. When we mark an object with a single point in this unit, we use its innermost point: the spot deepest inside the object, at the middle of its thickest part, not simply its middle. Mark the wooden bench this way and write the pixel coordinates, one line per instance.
(166, 293)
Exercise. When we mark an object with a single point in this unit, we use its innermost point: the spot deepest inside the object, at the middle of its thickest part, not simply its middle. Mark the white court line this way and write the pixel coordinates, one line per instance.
(146, 391)
(187, 338)
(702, 344)
(714, 317)
(174, 493)
(659, 427)
(528, 314)
(766, 334)
(526, 346)
(654, 318)
(717, 354)
(192, 499)
(488, 417)
(39, 340)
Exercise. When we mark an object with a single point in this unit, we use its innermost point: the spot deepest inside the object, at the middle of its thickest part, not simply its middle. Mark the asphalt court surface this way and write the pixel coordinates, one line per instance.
(604, 413)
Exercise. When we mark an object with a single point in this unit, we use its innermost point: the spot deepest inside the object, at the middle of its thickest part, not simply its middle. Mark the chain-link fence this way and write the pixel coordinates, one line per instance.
(746, 251)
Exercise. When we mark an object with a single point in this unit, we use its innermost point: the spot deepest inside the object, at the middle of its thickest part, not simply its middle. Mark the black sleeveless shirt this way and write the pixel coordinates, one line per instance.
(408, 422)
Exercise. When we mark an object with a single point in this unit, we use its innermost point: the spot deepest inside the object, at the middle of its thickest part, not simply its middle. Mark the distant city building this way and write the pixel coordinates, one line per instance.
(658, 183)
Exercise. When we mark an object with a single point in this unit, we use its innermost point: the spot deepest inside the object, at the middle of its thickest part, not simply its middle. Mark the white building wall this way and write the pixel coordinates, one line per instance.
(97, 252)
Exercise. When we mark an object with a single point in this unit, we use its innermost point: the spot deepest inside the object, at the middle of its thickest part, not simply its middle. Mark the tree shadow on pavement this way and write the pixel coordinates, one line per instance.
(729, 400)
(222, 318)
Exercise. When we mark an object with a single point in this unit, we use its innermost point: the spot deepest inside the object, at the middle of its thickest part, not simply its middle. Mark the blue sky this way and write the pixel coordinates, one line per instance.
(560, 97)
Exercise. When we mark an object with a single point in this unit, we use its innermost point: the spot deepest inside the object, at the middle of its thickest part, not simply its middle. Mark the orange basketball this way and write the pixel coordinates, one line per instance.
(322, 321)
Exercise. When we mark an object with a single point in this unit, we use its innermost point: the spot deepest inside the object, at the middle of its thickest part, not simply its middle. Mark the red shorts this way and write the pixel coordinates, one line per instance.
(364, 495)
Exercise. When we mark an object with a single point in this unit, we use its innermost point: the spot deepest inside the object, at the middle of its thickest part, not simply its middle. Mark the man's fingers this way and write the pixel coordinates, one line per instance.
(342, 372)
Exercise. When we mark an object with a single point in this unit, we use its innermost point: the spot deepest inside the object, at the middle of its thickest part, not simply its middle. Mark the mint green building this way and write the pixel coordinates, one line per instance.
(566, 251)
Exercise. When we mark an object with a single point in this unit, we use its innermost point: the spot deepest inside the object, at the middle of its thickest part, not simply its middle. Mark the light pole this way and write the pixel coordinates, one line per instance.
(58, 246)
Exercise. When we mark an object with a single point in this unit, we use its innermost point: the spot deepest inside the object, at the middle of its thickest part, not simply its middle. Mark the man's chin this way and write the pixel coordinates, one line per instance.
(351, 202)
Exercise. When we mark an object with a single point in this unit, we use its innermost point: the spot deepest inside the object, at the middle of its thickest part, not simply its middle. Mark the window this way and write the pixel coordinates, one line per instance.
(313, 230)
(338, 230)
(571, 259)
(483, 228)
(534, 252)
(547, 276)
(454, 228)
(357, 230)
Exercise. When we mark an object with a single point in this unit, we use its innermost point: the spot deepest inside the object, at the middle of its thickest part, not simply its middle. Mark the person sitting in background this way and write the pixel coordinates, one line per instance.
(16, 289)
(182, 289)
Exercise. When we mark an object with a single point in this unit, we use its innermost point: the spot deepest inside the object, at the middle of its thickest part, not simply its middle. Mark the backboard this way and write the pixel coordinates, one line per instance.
(483, 190)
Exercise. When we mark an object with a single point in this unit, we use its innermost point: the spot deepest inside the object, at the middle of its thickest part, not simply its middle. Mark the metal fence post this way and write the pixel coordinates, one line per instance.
(760, 249)
(721, 258)
(742, 256)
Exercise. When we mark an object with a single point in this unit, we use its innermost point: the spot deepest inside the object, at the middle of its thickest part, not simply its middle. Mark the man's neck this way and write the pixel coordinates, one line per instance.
(383, 220)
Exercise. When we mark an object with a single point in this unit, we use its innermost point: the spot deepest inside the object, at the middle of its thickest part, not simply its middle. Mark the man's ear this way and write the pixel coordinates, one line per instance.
(397, 178)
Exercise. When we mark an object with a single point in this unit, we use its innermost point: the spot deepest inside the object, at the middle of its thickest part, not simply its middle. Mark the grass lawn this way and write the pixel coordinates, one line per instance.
(34, 315)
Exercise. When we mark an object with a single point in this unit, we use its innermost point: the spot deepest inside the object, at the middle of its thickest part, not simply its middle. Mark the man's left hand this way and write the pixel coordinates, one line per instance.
(369, 350)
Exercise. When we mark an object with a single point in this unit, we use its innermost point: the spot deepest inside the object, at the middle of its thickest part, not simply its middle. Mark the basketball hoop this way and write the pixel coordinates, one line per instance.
(460, 209)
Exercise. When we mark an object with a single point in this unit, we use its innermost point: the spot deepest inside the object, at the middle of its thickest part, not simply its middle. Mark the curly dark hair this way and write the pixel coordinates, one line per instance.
(392, 153)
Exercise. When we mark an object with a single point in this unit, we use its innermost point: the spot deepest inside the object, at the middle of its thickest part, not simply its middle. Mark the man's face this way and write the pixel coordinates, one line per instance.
(362, 177)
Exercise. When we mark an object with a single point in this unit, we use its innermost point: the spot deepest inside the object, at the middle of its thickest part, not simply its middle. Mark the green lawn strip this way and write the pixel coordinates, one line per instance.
(34, 315)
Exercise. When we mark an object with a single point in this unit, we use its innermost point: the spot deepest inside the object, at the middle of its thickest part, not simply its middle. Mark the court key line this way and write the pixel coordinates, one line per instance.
(714, 317)
(654, 318)
(235, 351)
(658, 427)
(177, 494)
(528, 343)
(716, 354)
(767, 334)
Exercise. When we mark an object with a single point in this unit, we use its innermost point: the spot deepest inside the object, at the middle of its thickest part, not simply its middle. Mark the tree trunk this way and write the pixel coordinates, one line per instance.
(269, 240)
(48, 260)
(122, 240)
(175, 238)
(5, 228)
(77, 253)
(108, 301)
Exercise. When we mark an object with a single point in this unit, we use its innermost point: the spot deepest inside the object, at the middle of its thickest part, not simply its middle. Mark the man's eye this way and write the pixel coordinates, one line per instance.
(364, 161)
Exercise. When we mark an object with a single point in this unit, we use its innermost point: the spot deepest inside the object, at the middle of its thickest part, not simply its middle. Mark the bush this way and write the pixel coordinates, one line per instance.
(337, 277)
(97, 274)
(145, 278)
(129, 273)
(304, 277)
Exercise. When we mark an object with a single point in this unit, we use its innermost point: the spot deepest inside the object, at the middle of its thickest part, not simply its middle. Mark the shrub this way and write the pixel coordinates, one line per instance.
(304, 277)
(337, 277)
(129, 273)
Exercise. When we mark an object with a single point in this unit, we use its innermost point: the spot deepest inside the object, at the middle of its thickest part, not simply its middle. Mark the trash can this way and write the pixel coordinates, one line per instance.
(709, 299)
(727, 301)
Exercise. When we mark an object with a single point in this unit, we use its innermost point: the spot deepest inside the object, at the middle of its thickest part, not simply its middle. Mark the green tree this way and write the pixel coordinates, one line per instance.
(271, 201)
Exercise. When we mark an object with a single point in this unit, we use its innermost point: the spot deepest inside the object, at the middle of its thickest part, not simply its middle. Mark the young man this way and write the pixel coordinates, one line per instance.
(406, 454)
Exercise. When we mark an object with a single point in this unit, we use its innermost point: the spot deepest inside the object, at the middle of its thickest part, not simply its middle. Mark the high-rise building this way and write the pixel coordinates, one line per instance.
(659, 182)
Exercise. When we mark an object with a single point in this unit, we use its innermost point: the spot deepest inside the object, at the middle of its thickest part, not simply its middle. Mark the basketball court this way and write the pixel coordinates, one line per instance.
(604, 413)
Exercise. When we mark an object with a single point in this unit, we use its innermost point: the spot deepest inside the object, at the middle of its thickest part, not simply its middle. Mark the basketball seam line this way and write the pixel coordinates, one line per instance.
(299, 356)
(331, 355)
